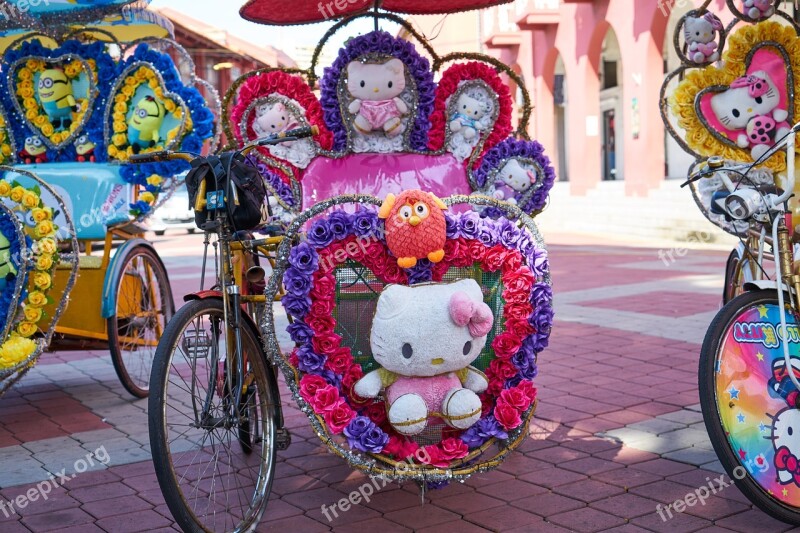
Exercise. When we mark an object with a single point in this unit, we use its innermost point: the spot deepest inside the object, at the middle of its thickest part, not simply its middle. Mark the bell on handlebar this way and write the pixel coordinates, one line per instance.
(715, 162)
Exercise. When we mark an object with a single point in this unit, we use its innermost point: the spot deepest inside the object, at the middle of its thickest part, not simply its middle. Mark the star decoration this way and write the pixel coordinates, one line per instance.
(762, 311)
(760, 356)
(740, 418)
(734, 392)
(763, 427)
(742, 453)
(785, 492)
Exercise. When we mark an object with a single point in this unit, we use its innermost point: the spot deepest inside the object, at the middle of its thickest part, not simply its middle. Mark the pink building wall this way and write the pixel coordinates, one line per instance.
(575, 31)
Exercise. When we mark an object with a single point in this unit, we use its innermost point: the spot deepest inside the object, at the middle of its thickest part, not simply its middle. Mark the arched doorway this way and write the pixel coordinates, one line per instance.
(611, 123)
(560, 117)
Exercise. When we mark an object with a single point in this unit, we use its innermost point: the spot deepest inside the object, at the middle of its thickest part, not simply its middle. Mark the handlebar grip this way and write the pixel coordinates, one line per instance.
(295, 134)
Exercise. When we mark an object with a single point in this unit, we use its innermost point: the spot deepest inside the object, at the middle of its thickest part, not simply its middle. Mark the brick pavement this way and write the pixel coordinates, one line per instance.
(617, 432)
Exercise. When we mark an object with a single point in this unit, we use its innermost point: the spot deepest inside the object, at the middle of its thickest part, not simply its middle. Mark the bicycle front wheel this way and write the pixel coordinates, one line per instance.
(214, 454)
(748, 401)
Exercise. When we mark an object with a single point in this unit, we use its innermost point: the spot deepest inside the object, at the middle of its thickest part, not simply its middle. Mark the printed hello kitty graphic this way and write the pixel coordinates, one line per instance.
(786, 441)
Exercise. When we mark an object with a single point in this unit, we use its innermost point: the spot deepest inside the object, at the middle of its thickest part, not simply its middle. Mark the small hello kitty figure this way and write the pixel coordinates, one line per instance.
(376, 89)
(700, 34)
(513, 179)
(425, 337)
(758, 9)
(273, 119)
(466, 116)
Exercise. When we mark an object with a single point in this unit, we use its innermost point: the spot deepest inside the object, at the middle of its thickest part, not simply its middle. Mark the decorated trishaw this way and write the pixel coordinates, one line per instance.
(87, 86)
(411, 285)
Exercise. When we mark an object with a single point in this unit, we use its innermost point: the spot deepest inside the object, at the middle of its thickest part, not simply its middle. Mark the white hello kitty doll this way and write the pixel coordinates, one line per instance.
(700, 34)
(466, 116)
(513, 179)
(751, 107)
(272, 119)
(376, 89)
(757, 9)
(425, 337)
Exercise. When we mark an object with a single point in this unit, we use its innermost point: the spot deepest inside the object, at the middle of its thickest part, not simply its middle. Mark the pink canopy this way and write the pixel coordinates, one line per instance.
(278, 12)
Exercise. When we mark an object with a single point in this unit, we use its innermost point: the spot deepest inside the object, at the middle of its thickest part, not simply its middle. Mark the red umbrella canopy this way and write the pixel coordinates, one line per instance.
(309, 11)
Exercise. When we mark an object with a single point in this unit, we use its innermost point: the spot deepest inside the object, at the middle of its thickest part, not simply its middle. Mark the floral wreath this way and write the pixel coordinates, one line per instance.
(739, 48)
(449, 85)
(18, 348)
(321, 372)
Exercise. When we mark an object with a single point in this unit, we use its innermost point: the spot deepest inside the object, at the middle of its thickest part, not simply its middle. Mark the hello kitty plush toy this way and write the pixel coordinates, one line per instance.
(751, 107)
(466, 116)
(376, 89)
(757, 9)
(700, 34)
(512, 179)
(273, 119)
(424, 337)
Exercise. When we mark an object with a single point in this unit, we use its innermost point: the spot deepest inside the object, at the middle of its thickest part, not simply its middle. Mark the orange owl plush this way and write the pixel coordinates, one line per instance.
(415, 226)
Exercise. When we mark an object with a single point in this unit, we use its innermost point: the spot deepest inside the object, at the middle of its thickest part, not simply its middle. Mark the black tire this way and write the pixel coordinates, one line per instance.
(160, 233)
(184, 377)
(709, 354)
(144, 307)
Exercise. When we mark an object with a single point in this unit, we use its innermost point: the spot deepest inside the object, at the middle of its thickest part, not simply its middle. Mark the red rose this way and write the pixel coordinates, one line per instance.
(528, 389)
(325, 399)
(506, 345)
(374, 249)
(452, 249)
(351, 376)
(513, 262)
(293, 359)
(320, 324)
(477, 250)
(519, 281)
(503, 368)
(432, 455)
(507, 416)
(518, 311)
(440, 269)
(310, 384)
(339, 416)
(487, 402)
(453, 448)
(400, 448)
(520, 328)
(323, 306)
(339, 360)
(326, 343)
(493, 258)
(324, 287)
(515, 398)
(376, 412)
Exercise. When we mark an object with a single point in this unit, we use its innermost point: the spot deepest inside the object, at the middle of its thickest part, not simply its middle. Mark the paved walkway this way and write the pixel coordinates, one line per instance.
(618, 429)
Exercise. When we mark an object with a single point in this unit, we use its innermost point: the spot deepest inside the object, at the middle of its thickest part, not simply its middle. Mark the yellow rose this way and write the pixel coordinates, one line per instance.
(120, 139)
(44, 262)
(31, 114)
(5, 188)
(15, 350)
(30, 199)
(31, 103)
(6, 149)
(112, 151)
(127, 90)
(26, 92)
(17, 193)
(40, 120)
(44, 228)
(153, 83)
(47, 245)
(159, 93)
(131, 81)
(147, 197)
(33, 314)
(120, 107)
(42, 280)
(25, 74)
(37, 298)
(169, 105)
(119, 127)
(41, 213)
(141, 74)
(57, 137)
(155, 180)
(26, 329)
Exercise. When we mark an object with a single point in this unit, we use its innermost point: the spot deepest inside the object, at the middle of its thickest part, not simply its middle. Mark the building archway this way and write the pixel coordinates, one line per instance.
(610, 127)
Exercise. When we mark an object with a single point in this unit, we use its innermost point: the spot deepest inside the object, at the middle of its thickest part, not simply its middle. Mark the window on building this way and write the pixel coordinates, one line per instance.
(609, 74)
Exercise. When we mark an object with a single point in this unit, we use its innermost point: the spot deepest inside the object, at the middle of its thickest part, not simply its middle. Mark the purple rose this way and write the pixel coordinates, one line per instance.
(452, 223)
(331, 377)
(486, 233)
(525, 360)
(373, 440)
(355, 429)
(320, 234)
(537, 262)
(300, 332)
(420, 273)
(365, 222)
(296, 282)
(304, 258)
(509, 234)
(483, 430)
(297, 305)
(469, 224)
(524, 243)
(340, 224)
(309, 361)
(541, 294)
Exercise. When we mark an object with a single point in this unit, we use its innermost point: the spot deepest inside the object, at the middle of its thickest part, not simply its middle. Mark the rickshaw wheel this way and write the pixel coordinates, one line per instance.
(144, 306)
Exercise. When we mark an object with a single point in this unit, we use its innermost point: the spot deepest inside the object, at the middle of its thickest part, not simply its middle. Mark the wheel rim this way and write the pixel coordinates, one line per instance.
(223, 486)
(141, 316)
(756, 420)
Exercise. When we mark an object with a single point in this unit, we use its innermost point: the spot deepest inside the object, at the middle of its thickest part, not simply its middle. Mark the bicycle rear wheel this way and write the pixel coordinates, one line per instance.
(748, 401)
(214, 454)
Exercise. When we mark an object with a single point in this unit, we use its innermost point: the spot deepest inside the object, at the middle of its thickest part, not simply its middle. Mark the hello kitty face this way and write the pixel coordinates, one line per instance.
(271, 119)
(698, 30)
(470, 107)
(745, 99)
(415, 334)
(515, 176)
(371, 81)
(786, 434)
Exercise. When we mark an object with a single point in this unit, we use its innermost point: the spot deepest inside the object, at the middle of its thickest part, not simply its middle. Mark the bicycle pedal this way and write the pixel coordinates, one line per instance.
(283, 439)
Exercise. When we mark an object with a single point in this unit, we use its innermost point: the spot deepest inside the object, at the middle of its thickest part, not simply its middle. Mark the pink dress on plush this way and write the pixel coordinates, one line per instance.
(432, 389)
(379, 112)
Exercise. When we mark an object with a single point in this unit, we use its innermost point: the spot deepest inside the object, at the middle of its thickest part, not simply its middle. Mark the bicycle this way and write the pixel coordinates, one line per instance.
(750, 358)
(212, 383)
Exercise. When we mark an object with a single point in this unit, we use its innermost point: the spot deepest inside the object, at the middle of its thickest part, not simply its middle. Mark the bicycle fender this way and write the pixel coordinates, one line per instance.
(764, 284)
(202, 295)
(111, 281)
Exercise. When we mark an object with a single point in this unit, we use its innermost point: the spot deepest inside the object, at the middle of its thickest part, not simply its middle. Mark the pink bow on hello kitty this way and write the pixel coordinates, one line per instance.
(755, 86)
(464, 312)
(712, 19)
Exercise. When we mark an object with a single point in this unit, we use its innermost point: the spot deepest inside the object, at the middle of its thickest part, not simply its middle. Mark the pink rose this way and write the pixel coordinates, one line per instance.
(518, 311)
(339, 360)
(325, 399)
(487, 403)
(528, 389)
(452, 249)
(338, 416)
(506, 345)
(401, 448)
(323, 307)
(494, 258)
(321, 324)
(513, 262)
(432, 455)
(324, 287)
(477, 250)
(310, 384)
(519, 327)
(453, 448)
(515, 398)
(507, 416)
(326, 343)
(503, 368)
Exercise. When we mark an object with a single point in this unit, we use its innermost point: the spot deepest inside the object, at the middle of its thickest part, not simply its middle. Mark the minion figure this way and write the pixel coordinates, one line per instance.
(7, 269)
(85, 149)
(34, 151)
(145, 121)
(55, 95)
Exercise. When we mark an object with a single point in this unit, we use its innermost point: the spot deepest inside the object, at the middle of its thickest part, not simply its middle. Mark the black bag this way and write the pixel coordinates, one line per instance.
(245, 198)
